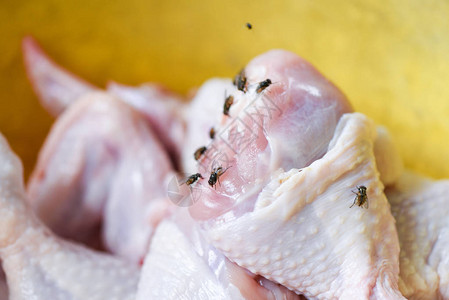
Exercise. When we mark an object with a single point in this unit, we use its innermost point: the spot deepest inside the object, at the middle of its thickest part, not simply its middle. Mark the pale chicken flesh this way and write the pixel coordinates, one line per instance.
(181, 264)
(421, 209)
(102, 167)
(39, 265)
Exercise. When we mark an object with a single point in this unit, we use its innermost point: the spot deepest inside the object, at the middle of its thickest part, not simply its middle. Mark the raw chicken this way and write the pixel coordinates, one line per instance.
(102, 165)
(282, 208)
(58, 89)
(38, 265)
(421, 209)
(301, 232)
(202, 114)
(256, 139)
(285, 176)
(162, 110)
(206, 109)
(388, 161)
(182, 265)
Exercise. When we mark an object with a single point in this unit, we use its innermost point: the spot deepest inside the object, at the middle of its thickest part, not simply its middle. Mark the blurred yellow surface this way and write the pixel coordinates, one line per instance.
(391, 58)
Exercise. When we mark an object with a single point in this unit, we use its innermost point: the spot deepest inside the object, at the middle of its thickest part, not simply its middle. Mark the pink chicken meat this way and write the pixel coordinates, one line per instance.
(281, 209)
(272, 129)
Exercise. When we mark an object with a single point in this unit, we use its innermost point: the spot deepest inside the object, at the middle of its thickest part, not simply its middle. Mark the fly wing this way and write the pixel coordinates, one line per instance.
(366, 204)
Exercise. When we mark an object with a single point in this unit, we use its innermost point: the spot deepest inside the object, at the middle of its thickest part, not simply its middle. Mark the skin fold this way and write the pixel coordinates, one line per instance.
(420, 207)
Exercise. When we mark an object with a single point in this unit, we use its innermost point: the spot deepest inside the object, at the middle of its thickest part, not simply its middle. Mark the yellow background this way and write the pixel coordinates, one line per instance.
(391, 58)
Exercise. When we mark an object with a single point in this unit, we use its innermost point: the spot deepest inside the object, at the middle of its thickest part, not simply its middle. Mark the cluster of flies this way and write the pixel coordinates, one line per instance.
(240, 81)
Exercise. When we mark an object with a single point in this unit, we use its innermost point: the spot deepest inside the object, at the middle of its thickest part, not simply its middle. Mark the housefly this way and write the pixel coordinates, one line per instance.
(200, 151)
(361, 199)
(263, 85)
(212, 133)
(215, 176)
(240, 81)
(227, 105)
(193, 178)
